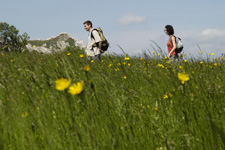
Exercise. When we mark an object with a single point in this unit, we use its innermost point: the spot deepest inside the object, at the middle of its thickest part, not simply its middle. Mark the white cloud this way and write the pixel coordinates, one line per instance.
(208, 36)
(213, 33)
(209, 41)
(131, 19)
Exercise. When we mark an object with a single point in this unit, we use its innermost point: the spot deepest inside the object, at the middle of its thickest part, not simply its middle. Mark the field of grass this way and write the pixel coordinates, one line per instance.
(126, 103)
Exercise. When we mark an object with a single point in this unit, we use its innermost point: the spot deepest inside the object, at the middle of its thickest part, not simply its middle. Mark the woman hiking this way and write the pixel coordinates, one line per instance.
(171, 44)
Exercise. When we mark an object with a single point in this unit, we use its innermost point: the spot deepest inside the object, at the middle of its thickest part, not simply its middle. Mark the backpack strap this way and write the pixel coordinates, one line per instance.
(92, 36)
(171, 39)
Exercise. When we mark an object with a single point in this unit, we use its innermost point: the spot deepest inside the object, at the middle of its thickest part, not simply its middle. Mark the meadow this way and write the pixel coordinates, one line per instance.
(65, 101)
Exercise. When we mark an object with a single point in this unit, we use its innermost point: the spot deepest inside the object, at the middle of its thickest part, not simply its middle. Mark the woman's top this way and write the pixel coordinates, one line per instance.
(170, 47)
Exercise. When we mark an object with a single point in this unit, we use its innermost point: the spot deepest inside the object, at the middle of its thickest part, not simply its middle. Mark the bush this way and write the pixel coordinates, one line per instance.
(10, 39)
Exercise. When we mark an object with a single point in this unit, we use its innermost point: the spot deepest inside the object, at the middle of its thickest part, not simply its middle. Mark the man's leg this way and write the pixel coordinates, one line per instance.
(98, 57)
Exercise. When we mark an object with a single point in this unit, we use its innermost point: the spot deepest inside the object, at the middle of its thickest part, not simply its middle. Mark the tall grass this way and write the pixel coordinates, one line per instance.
(126, 104)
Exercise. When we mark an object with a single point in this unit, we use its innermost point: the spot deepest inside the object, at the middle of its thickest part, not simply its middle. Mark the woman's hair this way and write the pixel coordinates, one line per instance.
(169, 29)
(88, 22)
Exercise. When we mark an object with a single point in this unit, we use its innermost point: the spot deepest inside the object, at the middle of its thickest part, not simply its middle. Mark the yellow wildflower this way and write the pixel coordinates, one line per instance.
(25, 114)
(212, 53)
(128, 64)
(68, 54)
(201, 52)
(183, 77)
(62, 84)
(201, 62)
(105, 53)
(215, 59)
(81, 55)
(124, 77)
(156, 108)
(166, 57)
(185, 60)
(222, 57)
(92, 61)
(87, 68)
(110, 65)
(160, 65)
(76, 89)
(153, 52)
(215, 64)
(166, 96)
(34, 46)
(127, 58)
(141, 58)
(158, 54)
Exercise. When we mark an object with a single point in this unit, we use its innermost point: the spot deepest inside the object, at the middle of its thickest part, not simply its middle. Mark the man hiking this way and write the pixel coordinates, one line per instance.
(94, 44)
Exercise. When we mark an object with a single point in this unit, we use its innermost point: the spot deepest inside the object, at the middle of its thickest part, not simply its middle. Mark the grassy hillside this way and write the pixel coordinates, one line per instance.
(126, 103)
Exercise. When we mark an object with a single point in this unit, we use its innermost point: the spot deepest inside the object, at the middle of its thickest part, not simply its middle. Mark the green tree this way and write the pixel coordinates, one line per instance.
(10, 39)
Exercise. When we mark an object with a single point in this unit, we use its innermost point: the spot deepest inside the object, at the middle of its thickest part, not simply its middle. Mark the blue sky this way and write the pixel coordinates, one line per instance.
(128, 23)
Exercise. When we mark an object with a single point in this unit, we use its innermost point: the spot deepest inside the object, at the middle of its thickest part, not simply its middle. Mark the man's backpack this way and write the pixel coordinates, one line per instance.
(105, 43)
(178, 43)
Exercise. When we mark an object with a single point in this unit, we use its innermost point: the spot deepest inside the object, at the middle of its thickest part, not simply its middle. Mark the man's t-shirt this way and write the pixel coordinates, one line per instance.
(92, 51)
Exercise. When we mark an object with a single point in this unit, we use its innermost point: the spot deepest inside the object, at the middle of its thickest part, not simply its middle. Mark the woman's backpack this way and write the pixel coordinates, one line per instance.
(178, 43)
(105, 43)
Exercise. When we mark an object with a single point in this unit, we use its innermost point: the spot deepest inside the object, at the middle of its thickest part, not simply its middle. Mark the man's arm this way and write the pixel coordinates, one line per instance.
(100, 46)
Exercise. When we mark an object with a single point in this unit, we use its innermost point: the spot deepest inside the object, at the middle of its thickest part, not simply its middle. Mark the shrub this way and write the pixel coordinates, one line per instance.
(10, 39)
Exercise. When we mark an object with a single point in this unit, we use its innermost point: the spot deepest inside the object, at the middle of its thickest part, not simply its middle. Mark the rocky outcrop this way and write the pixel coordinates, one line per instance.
(55, 44)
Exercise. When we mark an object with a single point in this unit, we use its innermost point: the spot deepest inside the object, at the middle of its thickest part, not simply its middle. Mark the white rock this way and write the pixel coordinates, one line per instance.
(59, 45)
